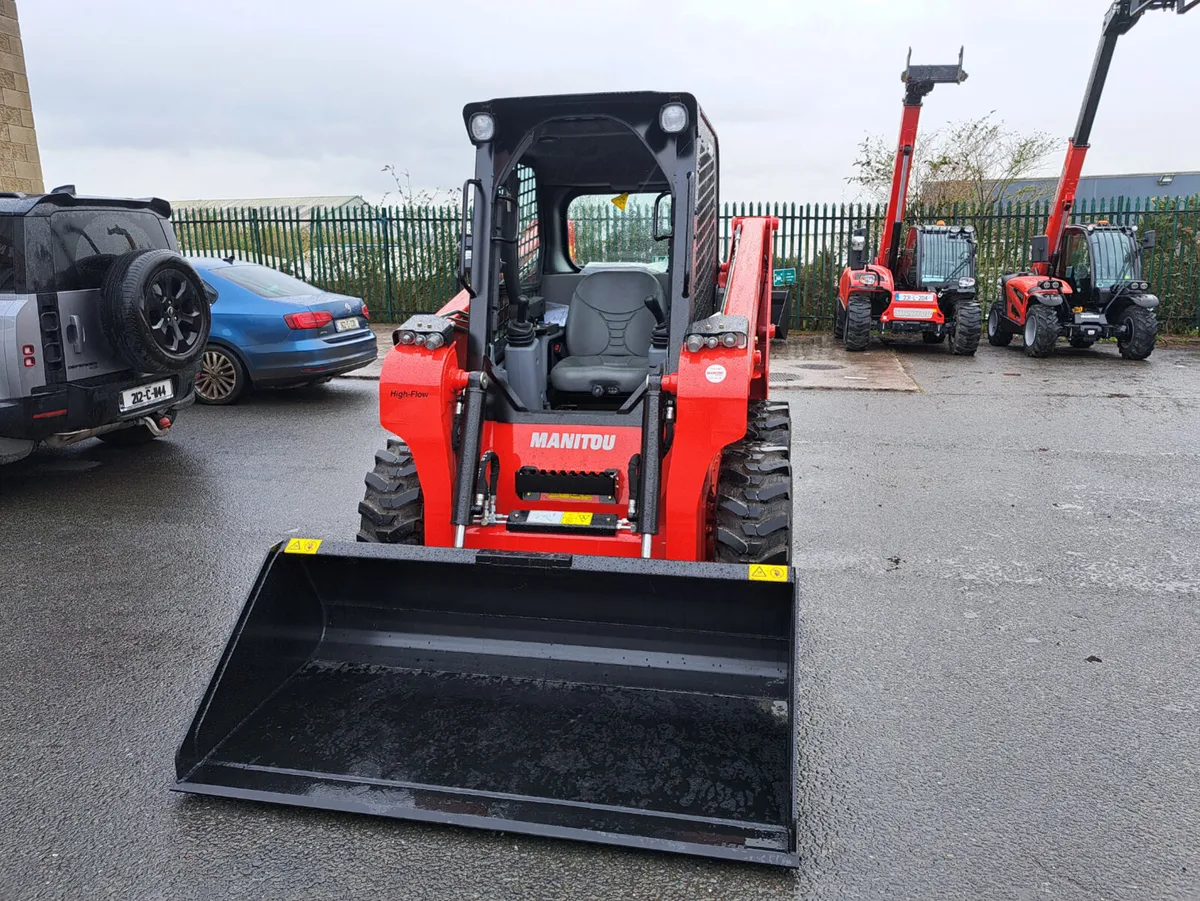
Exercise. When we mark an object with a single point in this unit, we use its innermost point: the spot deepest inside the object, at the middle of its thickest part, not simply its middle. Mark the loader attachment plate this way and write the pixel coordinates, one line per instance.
(630, 702)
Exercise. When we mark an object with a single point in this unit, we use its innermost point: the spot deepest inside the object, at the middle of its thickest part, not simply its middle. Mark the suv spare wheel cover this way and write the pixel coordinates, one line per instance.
(155, 311)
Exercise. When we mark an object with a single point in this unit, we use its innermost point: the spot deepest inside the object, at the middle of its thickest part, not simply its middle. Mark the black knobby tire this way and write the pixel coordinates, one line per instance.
(1138, 343)
(1082, 343)
(135, 435)
(933, 337)
(754, 491)
(1041, 330)
(968, 324)
(858, 325)
(393, 510)
(222, 378)
(999, 332)
(154, 311)
(839, 319)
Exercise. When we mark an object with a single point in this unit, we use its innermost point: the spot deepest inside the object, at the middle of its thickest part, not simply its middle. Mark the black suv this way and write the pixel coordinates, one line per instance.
(102, 322)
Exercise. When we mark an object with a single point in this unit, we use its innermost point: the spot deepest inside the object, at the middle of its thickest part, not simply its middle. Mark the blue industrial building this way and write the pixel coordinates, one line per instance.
(1105, 187)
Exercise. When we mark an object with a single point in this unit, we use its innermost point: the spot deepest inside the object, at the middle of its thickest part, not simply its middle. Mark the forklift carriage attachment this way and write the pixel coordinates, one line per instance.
(645, 703)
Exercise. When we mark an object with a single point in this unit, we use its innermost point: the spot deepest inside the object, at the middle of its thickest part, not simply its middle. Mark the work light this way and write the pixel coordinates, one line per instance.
(673, 118)
(483, 127)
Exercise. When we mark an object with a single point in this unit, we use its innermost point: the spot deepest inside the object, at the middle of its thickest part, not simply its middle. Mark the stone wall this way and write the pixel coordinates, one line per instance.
(20, 165)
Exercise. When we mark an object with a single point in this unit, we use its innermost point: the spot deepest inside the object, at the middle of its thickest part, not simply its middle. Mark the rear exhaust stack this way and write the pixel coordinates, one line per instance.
(631, 702)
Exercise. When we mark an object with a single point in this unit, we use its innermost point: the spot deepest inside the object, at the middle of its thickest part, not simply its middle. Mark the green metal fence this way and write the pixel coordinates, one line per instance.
(404, 259)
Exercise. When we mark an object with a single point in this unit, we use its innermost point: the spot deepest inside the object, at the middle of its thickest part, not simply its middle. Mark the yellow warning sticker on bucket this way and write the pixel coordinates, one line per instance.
(302, 546)
(577, 519)
(761, 572)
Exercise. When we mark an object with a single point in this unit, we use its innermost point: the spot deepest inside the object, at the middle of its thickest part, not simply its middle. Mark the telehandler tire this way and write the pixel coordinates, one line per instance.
(968, 323)
(1041, 330)
(999, 332)
(754, 491)
(393, 510)
(1138, 344)
(858, 325)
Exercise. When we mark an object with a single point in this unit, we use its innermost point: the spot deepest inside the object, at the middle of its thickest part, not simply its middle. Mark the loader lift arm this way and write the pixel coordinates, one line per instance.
(919, 81)
(1121, 17)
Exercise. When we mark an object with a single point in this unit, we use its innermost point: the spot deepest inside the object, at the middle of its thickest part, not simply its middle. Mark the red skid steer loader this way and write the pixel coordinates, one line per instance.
(570, 612)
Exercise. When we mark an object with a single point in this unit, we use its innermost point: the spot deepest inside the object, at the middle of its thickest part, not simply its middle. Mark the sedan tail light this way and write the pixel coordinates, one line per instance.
(308, 319)
(366, 312)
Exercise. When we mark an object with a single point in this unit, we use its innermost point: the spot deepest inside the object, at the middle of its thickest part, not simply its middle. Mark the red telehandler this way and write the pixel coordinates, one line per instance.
(926, 286)
(571, 612)
(1086, 281)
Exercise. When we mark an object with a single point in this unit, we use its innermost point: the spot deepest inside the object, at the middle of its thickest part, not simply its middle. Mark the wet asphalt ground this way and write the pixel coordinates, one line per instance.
(998, 652)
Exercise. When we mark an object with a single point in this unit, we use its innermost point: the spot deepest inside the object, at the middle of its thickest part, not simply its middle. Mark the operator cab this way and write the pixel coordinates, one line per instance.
(1101, 262)
(939, 258)
(591, 276)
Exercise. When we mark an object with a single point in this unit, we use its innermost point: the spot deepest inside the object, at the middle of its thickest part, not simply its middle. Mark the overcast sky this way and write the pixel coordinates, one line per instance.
(254, 98)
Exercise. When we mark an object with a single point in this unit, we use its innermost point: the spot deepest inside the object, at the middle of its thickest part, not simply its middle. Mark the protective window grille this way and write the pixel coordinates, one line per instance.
(704, 236)
(528, 245)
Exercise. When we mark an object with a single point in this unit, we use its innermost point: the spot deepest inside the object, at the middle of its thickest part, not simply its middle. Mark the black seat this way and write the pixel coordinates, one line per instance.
(608, 333)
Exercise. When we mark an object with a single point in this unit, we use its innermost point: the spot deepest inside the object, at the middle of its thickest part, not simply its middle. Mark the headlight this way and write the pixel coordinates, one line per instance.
(729, 339)
(433, 342)
(869, 278)
(695, 343)
(966, 283)
(406, 337)
(483, 127)
(712, 341)
(673, 118)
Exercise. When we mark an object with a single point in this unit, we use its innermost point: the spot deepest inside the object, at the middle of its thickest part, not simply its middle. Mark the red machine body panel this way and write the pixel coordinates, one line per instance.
(419, 390)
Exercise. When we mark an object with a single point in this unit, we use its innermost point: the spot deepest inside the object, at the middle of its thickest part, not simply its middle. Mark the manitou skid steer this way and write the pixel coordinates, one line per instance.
(571, 613)
(1086, 282)
(926, 287)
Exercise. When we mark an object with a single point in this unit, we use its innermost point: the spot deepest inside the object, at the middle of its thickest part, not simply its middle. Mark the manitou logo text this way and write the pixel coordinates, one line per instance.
(572, 441)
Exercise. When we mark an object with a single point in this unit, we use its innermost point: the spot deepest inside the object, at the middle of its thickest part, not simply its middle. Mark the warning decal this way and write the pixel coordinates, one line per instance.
(302, 546)
(762, 572)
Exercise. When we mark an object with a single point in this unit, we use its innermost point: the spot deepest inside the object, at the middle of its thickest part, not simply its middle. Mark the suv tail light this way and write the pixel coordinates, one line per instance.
(308, 319)
(366, 312)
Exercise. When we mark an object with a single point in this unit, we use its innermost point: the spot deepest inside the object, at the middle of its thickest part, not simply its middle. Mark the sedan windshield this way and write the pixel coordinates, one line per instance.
(266, 282)
(1116, 258)
(945, 256)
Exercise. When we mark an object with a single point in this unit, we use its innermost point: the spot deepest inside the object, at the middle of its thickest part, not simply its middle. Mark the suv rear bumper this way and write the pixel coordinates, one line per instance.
(88, 404)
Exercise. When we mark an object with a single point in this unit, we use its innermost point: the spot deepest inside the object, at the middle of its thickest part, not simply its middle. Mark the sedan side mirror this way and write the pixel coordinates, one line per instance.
(1148, 240)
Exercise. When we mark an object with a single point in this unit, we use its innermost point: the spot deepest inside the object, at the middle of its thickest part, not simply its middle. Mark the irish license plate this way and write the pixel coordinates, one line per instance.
(347, 325)
(146, 395)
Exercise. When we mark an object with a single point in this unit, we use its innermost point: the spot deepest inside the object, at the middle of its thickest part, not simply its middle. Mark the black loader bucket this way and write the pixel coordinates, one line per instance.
(632, 702)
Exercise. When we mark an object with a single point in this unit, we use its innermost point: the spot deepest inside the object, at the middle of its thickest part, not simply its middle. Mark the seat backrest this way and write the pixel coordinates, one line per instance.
(608, 315)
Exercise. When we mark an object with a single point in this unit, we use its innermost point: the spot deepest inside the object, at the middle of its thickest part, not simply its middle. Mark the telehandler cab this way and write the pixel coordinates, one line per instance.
(926, 286)
(571, 612)
(1086, 282)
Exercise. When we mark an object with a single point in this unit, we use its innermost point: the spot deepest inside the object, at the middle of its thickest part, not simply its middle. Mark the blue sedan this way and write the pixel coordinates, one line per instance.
(270, 330)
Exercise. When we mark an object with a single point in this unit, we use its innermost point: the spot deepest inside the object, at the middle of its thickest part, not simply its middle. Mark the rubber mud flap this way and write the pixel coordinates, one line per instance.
(632, 702)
